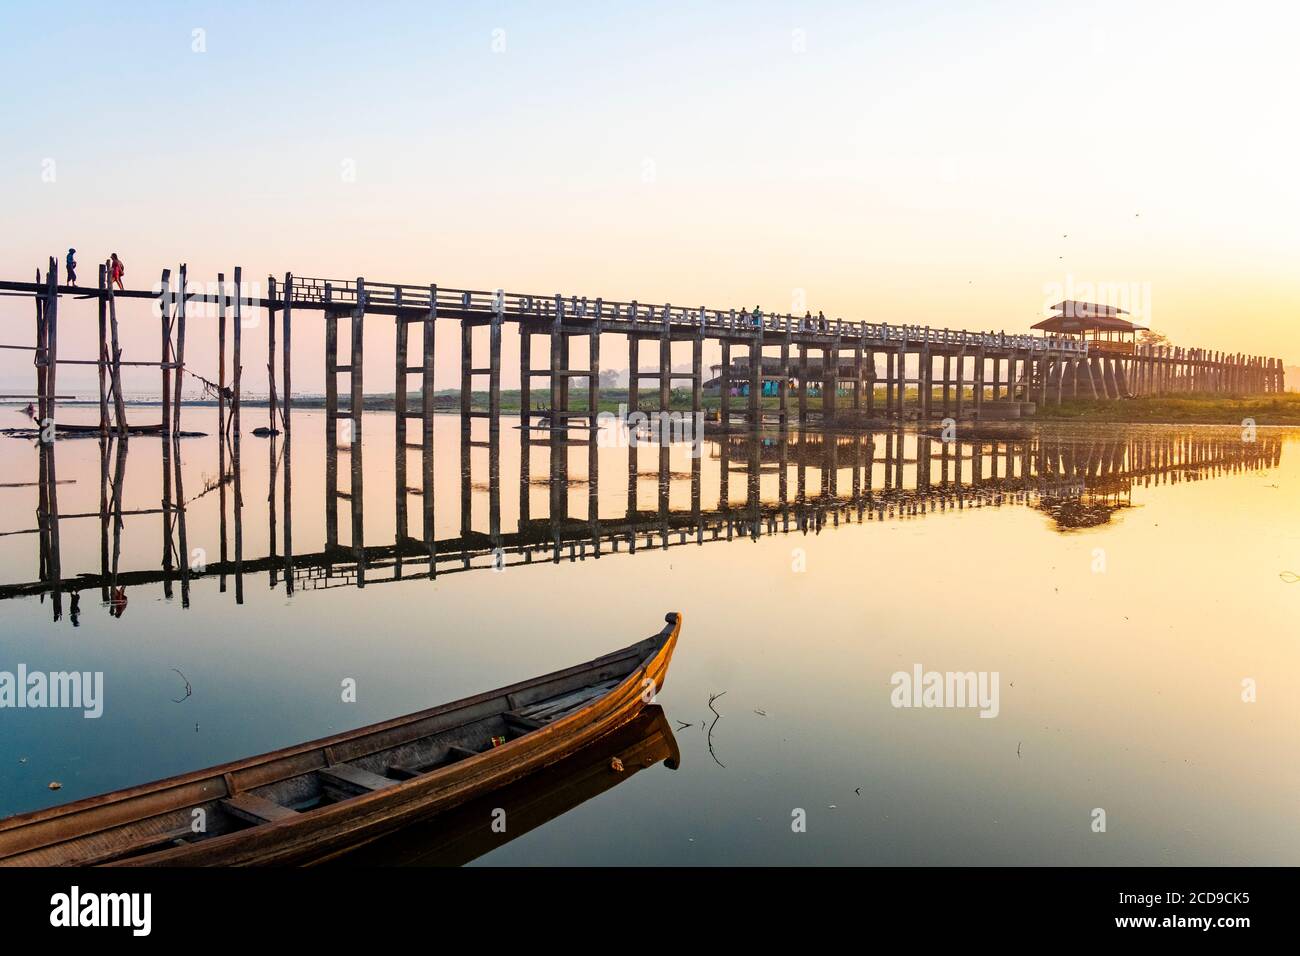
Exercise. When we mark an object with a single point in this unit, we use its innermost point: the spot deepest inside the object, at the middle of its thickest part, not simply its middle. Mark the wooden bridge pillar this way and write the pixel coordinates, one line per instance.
(830, 383)
(178, 357)
(783, 391)
(400, 418)
(165, 355)
(427, 389)
(356, 366)
(902, 382)
(665, 373)
(558, 350)
(803, 385)
(697, 380)
(924, 383)
(961, 391)
(593, 371)
(889, 382)
(272, 400)
(857, 380)
(947, 385)
(331, 421)
(633, 381)
(870, 383)
(47, 345)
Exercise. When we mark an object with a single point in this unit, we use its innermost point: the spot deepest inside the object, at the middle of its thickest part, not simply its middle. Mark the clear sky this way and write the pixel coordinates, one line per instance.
(951, 164)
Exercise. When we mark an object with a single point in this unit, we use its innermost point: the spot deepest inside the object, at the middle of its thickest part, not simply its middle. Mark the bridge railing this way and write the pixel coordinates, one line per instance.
(486, 303)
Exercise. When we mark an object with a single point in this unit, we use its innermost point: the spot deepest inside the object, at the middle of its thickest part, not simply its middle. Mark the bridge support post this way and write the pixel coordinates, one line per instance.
(870, 385)
(557, 363)
(593, 374)
(400, 350)
(178, 359)
(665, 374)
(961, 394)
(165, 356)
(784, 386)
(803, 385)
(357, 401)
(697, 387)
(902, 381)
(724, 385)
(947, 387)
(272, 399)
(633, 376)
(830, 382)
(103, 353)
(924, 383)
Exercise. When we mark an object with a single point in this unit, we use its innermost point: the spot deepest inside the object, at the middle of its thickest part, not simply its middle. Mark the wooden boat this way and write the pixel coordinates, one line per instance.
(467, 832)
(313, 801)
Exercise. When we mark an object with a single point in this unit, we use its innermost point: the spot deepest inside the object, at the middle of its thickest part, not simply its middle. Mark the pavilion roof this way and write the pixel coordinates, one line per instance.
(1074, 316)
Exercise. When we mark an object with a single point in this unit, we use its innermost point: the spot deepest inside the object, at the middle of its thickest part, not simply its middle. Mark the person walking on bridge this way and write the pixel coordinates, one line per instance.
(115, 271)
(72, 266)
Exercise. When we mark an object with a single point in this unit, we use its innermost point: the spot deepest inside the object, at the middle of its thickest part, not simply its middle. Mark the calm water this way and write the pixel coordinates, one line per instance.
(1122, 582)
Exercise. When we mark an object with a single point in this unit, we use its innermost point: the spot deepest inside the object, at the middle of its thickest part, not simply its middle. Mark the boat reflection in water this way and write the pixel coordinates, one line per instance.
(481, 826)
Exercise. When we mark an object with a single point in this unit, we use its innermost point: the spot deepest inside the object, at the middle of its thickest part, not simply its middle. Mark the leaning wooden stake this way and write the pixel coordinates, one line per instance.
(115, 368)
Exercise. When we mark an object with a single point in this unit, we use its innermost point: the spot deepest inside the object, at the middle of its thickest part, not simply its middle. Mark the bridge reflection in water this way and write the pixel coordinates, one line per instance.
(765, 484)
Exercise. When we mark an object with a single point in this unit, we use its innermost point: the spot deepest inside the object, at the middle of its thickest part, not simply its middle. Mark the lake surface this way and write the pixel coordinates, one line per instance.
(1122, 583)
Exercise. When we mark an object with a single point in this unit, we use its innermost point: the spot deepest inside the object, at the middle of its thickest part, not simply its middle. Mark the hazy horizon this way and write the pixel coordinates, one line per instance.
(955, 169)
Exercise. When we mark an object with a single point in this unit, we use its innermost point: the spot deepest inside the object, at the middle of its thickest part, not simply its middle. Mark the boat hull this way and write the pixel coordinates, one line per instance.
(327, 831)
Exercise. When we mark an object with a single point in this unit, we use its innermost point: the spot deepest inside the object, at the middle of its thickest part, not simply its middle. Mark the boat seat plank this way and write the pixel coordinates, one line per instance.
(546, 710)
(255, 809)
(100, 848)
(355, 778)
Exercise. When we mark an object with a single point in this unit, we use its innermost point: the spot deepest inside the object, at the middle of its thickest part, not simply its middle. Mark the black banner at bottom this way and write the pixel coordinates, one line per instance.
(390, 905)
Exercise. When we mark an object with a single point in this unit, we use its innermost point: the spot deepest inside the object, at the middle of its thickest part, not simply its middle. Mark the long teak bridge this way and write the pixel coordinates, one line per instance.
(928, 372)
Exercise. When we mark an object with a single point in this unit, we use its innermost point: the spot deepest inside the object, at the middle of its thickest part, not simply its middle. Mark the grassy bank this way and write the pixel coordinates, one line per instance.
(1183, 409)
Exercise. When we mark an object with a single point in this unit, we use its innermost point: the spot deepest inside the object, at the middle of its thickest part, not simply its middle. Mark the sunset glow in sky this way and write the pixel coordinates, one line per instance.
(949, 164)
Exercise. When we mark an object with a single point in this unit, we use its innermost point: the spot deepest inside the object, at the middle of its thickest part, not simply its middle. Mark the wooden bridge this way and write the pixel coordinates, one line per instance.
(928, 372)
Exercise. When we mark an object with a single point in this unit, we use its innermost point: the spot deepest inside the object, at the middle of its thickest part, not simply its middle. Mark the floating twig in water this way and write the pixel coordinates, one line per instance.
(188, 689)
(717, 717)
(682, 725)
